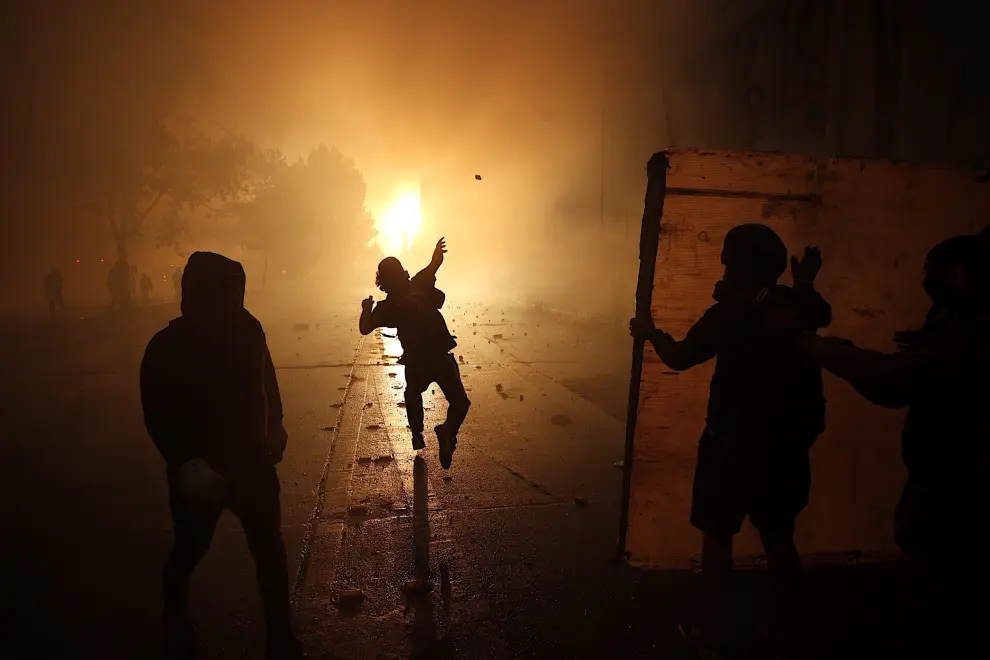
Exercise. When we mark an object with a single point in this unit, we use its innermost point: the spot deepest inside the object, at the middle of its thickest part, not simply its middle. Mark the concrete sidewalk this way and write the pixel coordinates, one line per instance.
(514, 542)
(522, 531)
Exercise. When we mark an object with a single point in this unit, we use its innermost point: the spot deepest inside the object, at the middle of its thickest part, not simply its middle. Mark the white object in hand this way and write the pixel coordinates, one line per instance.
(201, 485)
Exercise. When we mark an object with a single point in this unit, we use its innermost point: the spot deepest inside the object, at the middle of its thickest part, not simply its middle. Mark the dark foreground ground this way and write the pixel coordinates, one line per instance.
(515, 540)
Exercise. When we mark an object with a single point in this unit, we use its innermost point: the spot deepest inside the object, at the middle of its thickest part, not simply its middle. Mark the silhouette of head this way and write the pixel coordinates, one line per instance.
(753, 256)
(391, 276)
(212, 285)
(954, 269)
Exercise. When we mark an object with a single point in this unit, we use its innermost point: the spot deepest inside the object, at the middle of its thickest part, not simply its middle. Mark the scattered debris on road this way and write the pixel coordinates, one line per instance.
(448, 478)
(561, 420)
(350, 597)
(498, 387)
(300, 327)
(384, 459)
(357, 510)
(364, 459)
(520, 397)
(497, 337)
(329, 428)
(373, 427)
(581, 501)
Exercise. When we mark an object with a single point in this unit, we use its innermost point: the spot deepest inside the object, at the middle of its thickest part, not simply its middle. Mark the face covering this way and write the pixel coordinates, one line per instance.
(723, 290)
(937, 290)
(938, 284)
(730, 286)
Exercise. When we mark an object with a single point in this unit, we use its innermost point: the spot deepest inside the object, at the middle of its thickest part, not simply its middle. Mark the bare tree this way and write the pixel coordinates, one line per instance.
(309, 211)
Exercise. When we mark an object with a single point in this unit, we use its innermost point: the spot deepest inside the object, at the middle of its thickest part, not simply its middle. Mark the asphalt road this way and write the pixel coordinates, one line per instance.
(513, 541)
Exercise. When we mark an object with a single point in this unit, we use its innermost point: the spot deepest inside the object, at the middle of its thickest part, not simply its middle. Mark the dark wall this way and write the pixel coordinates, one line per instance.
(899, 79)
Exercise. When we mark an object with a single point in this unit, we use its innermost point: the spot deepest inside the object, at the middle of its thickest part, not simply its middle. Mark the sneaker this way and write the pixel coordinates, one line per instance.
(291, 649)
(180, 640)
(694, 636)
(447, 446)
(419, 442)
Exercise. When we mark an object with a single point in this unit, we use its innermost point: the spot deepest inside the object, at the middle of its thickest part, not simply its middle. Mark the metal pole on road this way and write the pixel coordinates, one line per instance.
(649, 241)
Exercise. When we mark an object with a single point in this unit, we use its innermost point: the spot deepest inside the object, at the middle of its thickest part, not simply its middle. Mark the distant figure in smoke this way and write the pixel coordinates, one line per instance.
(212, 406)
(412, 307)
(53, 290)
(941, 378)
(766, 408)
(132, 282)
(119, 285)
(177, 282)
(146, 287)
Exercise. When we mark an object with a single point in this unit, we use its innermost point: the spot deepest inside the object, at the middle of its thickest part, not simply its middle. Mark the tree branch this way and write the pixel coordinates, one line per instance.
(139, 217)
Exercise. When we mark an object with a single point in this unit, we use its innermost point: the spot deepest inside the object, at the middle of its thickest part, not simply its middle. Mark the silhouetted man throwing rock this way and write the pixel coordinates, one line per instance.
(412, 307)
(212, 406)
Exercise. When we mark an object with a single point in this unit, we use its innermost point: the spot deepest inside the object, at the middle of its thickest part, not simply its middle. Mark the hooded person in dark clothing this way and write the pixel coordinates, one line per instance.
(765, 409)
(941, 378)
(412, 307)
(212, 407)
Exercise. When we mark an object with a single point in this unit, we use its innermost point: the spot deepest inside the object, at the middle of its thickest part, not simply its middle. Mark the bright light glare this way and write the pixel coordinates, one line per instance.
(397, 227)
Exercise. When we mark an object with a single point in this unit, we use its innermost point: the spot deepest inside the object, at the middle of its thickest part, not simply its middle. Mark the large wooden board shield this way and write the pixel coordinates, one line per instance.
(874, 222)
